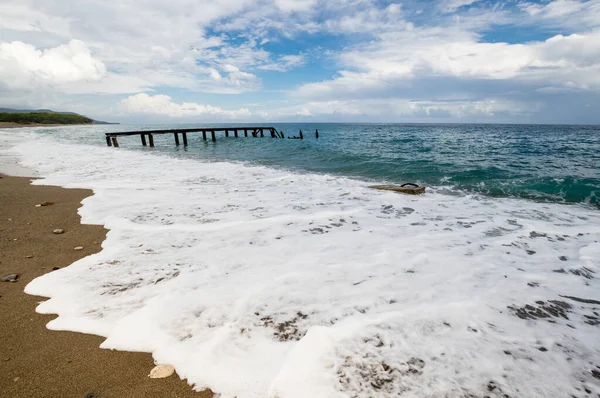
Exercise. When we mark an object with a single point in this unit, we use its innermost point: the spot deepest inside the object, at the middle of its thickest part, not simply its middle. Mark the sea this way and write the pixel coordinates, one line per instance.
(263, 267)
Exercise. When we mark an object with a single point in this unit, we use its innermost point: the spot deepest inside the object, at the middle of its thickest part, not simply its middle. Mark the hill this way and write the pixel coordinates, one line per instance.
(44, 116)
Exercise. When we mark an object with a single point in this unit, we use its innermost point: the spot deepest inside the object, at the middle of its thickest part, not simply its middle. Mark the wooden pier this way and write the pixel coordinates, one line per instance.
(147, 137)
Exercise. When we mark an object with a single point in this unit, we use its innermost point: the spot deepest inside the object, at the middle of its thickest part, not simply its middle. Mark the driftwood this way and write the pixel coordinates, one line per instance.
(408, 188)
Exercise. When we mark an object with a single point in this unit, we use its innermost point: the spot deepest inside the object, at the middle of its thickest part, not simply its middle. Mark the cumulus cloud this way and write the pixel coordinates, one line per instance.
(69, 68)
(163, 105)
(22, 65)
(399, 57)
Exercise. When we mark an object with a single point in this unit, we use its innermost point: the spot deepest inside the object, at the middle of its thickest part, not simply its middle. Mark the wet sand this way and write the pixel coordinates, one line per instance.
(34, 361)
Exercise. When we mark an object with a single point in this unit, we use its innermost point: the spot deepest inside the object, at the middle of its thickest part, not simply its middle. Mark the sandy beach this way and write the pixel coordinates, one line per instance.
(37, 362)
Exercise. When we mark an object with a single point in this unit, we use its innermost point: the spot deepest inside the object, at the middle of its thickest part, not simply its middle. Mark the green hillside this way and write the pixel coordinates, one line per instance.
(44, 118)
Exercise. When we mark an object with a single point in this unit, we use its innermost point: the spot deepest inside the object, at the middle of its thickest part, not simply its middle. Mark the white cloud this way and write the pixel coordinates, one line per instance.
(163, 105)
(285, 63)
(403, 109)
(22, 65)
(449, 6)
(397, 58)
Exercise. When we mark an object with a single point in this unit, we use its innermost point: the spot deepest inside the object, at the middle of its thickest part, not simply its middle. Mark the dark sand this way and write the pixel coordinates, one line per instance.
(34, 361)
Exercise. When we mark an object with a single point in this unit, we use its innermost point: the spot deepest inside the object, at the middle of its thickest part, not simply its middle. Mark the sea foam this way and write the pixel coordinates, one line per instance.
(262, 282)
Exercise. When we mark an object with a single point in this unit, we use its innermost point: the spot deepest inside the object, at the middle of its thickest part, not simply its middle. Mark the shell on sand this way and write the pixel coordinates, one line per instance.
(161, 371)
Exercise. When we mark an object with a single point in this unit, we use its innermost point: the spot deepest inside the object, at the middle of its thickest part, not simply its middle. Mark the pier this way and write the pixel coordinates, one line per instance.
(147, 136)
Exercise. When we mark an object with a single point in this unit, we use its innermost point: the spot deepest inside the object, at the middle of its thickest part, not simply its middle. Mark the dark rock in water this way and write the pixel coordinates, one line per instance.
(11, 278)
(581, 300)
(415, 365)
(535, 234)
(544, 310)
(543, 349)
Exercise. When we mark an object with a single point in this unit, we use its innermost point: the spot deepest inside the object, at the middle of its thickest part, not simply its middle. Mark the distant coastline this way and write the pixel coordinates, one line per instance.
(12, 125)
(17, 118)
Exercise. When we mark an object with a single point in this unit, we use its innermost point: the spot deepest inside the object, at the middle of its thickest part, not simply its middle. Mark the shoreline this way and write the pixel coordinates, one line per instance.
(38, 362)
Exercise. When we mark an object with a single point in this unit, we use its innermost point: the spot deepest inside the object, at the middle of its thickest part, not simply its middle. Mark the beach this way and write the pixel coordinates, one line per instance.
(35, 361)
(257, 274)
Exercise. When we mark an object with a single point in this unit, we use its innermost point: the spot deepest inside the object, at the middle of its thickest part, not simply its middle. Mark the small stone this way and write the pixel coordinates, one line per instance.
(29, 257)
(10, 278)
(91, 395)
(78, 248)
(6, 359)
(55, 268)
(161, 371)
(58, 231)
(16, 379)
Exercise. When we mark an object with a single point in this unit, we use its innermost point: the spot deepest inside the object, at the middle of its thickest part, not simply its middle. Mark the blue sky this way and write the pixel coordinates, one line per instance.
(182, 61)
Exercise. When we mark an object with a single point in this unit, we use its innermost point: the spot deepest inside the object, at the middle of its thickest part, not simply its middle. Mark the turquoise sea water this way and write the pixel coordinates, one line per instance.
(554, 163)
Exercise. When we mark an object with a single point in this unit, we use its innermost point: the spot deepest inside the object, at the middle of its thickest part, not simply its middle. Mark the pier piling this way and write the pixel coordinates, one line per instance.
(147, 136)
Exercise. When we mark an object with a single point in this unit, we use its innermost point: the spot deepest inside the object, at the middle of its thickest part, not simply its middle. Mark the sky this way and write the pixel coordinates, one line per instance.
(184, 61)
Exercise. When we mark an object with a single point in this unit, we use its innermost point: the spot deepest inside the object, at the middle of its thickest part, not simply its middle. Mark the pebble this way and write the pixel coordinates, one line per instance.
(58, 231)
(55, 268)
(10, 278)
(91, 395)
(29, 257)
(44, 204)
(16, 379)
(161, 371)
(78, 248)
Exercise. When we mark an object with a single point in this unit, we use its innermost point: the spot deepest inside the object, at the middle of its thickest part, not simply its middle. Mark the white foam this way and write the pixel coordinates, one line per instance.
(261, 282)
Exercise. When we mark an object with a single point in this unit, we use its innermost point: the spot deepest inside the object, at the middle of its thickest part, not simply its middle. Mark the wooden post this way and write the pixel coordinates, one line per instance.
(212, 134)
(176, 138)
(108, 142)
(301, 136)
(245, 132)
(317, 134)
(226, 133)
(151, 139)
(204, 135)
(281, 132)
(272, 133)
(143, 136)
(262, 134)
(184, 139)
(115, 142)
(235, 133)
